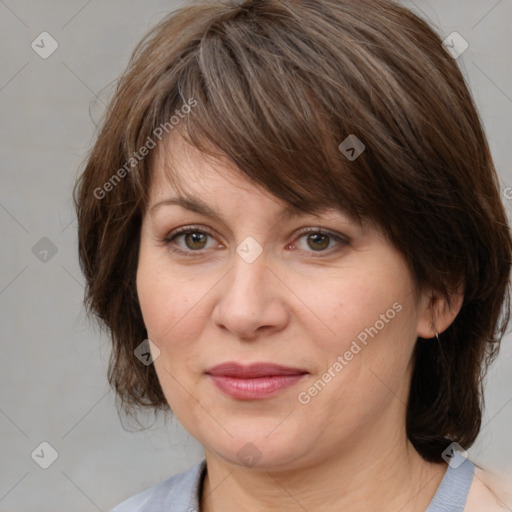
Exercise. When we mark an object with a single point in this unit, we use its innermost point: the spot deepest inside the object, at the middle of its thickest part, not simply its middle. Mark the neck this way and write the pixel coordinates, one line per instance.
(361, 476)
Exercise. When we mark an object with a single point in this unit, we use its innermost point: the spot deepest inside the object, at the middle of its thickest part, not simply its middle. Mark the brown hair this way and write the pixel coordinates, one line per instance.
(277, 86)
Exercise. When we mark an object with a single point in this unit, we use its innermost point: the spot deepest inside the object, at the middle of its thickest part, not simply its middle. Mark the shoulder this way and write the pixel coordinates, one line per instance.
(490, 492)
(176, 494)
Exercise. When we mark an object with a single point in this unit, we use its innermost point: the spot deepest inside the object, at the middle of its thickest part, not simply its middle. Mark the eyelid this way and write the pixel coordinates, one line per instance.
(188, 229)
(338, 237)
(322, 231)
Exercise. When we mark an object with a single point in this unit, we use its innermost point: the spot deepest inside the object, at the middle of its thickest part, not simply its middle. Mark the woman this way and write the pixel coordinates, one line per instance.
(291, 226)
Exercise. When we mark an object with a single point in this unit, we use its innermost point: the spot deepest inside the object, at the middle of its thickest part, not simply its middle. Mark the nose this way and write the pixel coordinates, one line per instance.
(251, 301)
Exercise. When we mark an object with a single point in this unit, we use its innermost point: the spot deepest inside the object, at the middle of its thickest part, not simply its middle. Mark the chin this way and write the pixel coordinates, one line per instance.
(256, 446)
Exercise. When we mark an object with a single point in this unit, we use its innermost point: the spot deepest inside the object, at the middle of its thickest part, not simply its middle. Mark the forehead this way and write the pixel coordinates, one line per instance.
(181, 166)
(214, 186)
(185, 176)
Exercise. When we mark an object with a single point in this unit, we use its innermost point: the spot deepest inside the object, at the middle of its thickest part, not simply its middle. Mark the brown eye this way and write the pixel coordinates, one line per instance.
(190, 240)
(195, 240)
(318, 242)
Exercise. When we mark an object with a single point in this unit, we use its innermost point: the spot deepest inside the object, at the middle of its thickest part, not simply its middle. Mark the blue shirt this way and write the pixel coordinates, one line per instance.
(181, 492)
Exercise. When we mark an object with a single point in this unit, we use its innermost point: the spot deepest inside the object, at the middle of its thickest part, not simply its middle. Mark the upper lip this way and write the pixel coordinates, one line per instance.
(233, 369)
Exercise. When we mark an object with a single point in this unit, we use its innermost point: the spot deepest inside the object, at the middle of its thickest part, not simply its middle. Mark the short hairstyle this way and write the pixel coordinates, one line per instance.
(276, 86)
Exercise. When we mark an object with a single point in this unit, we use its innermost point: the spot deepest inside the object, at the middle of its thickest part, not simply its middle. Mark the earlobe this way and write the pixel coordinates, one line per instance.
(432, 326)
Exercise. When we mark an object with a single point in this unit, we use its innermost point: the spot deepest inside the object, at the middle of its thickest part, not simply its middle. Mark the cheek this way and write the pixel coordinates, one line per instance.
(164, 297)
(166, 302)
(373, 316)
(365, 367)
(362, 305)
(155, 301)
(174, 306)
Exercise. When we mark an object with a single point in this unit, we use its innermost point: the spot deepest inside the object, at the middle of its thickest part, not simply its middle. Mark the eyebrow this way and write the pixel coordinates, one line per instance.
(192, 204)
(196, 205)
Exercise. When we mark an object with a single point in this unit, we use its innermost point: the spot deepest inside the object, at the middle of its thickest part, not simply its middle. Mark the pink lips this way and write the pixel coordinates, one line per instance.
(255, 381)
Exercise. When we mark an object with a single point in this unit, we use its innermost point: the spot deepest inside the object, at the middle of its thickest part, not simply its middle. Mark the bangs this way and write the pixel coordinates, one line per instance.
(257, 108)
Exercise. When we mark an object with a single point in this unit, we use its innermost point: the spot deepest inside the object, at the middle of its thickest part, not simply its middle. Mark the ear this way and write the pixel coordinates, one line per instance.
(436, 313)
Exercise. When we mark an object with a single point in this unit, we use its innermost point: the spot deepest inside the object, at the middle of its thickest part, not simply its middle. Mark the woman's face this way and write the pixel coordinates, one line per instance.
(336, 311)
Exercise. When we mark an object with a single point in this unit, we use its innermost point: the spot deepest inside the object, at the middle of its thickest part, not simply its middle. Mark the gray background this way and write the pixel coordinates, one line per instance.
(53, 361)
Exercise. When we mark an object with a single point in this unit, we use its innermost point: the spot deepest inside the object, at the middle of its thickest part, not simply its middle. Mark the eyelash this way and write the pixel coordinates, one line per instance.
(197, 229)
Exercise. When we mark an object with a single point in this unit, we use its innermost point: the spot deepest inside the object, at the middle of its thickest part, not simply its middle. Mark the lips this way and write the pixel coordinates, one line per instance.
(255, 381)
(253, 371)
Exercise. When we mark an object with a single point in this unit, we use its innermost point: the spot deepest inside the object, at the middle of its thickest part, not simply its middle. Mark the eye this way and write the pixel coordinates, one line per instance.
(193, 238)
(318, 240)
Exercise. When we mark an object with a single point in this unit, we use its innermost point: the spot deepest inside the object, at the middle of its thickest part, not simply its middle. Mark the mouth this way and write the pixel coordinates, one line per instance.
(255, 381)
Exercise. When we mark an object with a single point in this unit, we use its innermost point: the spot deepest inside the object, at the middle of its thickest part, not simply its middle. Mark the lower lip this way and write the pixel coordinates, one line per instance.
(257, 388)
